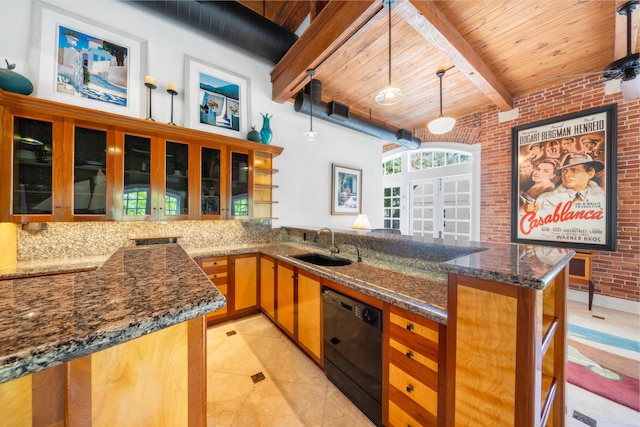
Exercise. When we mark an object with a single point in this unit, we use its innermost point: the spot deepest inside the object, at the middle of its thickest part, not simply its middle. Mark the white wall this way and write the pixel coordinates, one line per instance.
(305, 167)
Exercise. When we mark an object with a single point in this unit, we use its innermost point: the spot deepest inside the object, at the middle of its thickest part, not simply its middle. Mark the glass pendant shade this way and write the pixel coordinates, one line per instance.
(441, 125)
(390, 95)
(630, 89)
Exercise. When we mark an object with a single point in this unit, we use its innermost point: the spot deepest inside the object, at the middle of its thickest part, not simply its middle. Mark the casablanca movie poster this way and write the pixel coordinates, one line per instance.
(564, 181)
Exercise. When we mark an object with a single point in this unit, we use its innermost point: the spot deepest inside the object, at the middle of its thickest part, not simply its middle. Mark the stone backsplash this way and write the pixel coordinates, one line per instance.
(91, 239)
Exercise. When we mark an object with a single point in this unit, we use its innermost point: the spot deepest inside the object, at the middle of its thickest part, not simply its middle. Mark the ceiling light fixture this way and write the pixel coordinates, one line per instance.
(390, 95)
(441, 124)
(311, 134)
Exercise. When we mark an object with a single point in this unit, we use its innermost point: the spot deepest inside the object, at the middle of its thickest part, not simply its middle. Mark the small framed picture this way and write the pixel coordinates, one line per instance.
(346, 189)
(216, 100)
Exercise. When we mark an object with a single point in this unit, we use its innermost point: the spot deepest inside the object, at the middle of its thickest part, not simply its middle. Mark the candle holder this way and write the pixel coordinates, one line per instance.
(151, 86)
(173, 93)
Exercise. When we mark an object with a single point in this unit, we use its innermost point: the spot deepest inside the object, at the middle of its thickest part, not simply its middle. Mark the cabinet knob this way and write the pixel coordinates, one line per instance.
(67, 207)
(410, 327)
(410, 354)
(57, 206)
(409, 388)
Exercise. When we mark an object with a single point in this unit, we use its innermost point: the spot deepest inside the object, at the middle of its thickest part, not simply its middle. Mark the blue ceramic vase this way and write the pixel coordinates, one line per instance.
(265, 132)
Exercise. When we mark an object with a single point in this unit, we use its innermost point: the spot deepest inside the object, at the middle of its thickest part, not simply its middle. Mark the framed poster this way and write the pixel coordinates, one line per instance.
(346, 189)
(85, 63)
(564, 181)
(216, 100)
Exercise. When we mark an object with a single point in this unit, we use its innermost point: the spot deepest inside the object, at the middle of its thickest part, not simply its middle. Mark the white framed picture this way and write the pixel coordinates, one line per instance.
(346, 190)
(216, 100)
(78, 61)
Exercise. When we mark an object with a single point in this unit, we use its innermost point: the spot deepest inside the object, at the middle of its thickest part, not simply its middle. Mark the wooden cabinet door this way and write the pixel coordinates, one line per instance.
(268, 286)
(216, 270)
(245, 281)
(285, 313)
(309, 317)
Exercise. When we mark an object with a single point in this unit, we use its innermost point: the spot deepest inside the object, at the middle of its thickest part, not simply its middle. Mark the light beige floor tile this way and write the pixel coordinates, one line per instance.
(339, 411)
(226, 394)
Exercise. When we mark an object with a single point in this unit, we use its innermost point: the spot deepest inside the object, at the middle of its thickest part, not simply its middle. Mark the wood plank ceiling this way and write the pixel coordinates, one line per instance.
(493, 51)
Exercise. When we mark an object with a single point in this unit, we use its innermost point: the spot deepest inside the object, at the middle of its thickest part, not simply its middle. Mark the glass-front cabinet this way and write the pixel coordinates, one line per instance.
(211, 187)
(240, 207)
(65, 163)
(32, 168)
(58, 171)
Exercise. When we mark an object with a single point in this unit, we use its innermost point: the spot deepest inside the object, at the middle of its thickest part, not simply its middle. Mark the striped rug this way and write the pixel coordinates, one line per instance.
(604, 364)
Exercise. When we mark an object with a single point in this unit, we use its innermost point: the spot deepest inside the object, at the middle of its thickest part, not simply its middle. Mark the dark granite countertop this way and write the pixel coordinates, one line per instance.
(47, 320)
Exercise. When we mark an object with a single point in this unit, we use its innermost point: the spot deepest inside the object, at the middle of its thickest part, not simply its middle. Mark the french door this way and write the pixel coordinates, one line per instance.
(441, 208)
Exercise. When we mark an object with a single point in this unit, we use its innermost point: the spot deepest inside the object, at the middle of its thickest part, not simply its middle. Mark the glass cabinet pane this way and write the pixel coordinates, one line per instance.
(89, 166)
(177, 180)
(137, 177)
(32, 176)
(239, 184)
(210, 182)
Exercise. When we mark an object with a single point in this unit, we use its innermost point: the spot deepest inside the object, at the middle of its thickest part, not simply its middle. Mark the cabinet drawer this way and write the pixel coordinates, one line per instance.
(218, 278)
(413, 326)
(413, 389)
(399, 416)
(214, 265)
(412, 358)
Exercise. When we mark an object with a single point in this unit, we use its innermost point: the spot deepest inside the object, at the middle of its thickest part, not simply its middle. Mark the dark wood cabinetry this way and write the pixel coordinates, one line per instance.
(67, 163)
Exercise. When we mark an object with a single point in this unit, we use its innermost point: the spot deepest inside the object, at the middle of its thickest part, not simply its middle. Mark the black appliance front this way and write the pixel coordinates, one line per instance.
(353, 351)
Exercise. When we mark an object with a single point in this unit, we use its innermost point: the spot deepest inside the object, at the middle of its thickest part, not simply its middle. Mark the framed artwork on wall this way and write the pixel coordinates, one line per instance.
(564, 181)
(346, 190)
(216, 100)
(75, 60)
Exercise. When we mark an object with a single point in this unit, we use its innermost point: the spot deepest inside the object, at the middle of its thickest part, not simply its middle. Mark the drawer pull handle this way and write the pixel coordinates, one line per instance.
(410, 354)
(409, 388)
(410, 327)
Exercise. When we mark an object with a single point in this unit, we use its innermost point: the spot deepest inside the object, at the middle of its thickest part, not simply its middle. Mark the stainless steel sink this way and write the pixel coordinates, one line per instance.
(319, 259)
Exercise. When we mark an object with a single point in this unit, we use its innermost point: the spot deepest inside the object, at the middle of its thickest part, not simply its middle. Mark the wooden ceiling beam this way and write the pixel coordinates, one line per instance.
(337, 21)
(425, 17)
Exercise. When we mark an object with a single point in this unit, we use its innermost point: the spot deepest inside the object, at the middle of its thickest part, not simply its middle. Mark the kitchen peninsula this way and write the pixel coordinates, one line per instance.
(76, 344)
(485, 300)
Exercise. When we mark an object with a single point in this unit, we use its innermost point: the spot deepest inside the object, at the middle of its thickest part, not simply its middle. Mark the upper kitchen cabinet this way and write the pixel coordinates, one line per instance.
(67, 163)
(58, 168)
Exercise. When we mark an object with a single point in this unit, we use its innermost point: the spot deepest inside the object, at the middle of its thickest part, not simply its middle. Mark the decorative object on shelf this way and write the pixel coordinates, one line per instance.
(14, 82)
(311, 134)
(171, 89)
(115, 89)
(254, 135)
(389, 95)
(346, 188)
(578, 154)
(442, 124)
(150, 83)
(265, 133)
(216, 100)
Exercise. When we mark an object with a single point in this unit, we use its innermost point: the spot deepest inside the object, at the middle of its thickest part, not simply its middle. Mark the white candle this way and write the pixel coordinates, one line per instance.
(172, 86)
(150, 80)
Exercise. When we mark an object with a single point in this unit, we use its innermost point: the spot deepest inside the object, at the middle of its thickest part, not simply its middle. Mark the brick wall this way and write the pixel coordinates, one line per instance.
(616, 274)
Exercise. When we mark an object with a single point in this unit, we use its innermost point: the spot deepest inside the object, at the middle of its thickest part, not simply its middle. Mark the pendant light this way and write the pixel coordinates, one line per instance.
(390, 95)
(311, 134)
(441, 124)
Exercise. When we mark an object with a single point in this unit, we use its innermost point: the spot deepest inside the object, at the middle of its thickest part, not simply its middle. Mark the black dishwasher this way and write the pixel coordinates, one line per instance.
(353, 351)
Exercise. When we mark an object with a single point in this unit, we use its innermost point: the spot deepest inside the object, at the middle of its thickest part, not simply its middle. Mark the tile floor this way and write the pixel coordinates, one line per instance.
(295, 392)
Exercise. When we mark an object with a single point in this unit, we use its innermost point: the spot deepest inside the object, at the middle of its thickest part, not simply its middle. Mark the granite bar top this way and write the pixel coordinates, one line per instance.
(47, 320)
